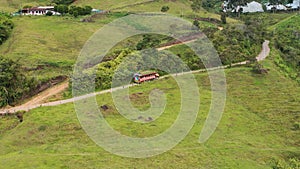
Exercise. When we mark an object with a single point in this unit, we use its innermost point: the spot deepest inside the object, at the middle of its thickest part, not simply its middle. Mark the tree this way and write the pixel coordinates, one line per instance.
(196, 23)
(49, 13)
(223, 17)
(149, 41)
(164, 9)
(6, 26)
(88, 10)
(63, 2)
(77, 10)
(196, 5)
(75, 14)
(13, 83)
(63, 9)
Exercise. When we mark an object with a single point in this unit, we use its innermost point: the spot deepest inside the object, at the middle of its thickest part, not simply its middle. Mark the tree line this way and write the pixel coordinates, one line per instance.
(14, 84)
(73, 10)
(6, 26)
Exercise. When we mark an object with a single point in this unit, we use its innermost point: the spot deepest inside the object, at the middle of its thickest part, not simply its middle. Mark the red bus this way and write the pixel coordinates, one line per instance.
(138, 78)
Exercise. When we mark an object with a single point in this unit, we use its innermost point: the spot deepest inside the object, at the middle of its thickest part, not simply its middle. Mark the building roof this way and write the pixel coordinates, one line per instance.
(253, 7)
(294, 5)
(278, 7)
(46, 7)
(33, 9)
(39, 8)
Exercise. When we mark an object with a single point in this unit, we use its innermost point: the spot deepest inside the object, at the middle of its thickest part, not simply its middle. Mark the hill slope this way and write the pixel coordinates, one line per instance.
(257, 128)
(287, 41)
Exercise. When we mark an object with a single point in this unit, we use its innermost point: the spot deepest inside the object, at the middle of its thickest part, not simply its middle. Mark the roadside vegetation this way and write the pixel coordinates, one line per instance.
(13, 84)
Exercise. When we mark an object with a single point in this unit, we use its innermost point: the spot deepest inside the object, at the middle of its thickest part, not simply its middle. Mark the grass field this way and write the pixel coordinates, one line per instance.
(107, 4)
(15, 5)
(51, 42)
(178, 8)
(257, 129)
(54, 43)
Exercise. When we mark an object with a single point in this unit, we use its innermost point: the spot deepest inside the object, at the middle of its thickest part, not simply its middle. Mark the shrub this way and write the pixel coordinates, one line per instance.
(49, 13)
(63, 2)
(42, 128)
(13, 83)
(164, 9)
(223, 17)
(196, 23)
(259, 68)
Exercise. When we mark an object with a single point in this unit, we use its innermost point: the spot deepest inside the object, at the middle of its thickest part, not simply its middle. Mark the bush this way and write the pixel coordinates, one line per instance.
(259, 68)
(63, 9)
(77, 10)
(49, 13)
(196, 23)
(6, 26)
(164, 9)
(13, 83)
(292, 163)
(223, 17)
(63, 2)
(42, 128)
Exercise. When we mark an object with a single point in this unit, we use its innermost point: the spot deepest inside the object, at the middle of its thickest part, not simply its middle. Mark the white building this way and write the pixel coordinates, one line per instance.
(294, 5)
(253, 7)
(278, 7)
(41, 10)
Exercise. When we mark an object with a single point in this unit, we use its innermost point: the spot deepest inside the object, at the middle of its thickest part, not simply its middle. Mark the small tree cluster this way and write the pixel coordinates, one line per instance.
(6, 26)
(196, 23)
(63, 9)
(13, 82)
(73, 10)
(76, 10)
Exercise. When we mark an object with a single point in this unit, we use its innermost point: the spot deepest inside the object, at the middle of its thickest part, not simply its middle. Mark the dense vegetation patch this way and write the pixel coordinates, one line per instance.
(287, 41)
(63, 2)
(6, 26)
(13, 83)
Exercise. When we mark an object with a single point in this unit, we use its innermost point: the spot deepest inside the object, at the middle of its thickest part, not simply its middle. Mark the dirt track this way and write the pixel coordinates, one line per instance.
(47, 93)
(37, 100)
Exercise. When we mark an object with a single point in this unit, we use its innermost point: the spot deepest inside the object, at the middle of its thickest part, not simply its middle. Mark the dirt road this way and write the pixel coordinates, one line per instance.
(37, 101)
(264, 52)
(47, 93)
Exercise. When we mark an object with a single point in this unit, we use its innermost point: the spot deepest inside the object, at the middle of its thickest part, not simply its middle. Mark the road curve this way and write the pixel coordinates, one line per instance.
(264, 53)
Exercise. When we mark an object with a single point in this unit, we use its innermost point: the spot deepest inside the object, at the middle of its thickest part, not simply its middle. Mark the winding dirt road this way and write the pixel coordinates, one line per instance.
(37, 100)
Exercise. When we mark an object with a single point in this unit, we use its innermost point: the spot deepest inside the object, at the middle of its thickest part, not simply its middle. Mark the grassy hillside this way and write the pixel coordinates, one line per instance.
(14, 5)
(257, 129)
(51, 43)
(108, 4)
(287, 41)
